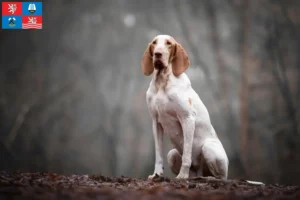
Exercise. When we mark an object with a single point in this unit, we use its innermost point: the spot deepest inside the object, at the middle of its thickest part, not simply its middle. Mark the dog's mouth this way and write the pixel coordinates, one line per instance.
(158, 64)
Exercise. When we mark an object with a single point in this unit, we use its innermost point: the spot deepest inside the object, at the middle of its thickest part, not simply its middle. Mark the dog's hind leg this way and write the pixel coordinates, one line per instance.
(215, 158)
(174, 161)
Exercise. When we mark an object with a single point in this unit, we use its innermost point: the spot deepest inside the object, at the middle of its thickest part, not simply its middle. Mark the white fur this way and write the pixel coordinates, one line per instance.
(178, 112)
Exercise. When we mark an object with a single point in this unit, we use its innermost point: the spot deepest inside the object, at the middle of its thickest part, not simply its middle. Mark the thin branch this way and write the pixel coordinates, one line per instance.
(193, 48)
(295, 33)
(244, 90)
(18, 123)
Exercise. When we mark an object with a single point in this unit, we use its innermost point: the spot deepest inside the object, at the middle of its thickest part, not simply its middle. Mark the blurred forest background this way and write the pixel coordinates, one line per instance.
(72, 96)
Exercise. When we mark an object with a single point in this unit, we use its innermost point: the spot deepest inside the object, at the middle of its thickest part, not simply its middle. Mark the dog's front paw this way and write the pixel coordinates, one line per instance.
(155, 175)
(184, 172)
(182, 176)
(158, 171)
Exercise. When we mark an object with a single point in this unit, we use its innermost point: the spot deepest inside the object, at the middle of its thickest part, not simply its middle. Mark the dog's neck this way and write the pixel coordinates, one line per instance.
(161, 77)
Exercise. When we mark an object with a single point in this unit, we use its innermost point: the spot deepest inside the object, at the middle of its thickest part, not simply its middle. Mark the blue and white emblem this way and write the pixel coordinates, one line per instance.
(31, 8)
(11, 21)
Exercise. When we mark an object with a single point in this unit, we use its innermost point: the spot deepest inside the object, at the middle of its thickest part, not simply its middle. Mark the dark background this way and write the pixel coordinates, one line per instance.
(72, 95)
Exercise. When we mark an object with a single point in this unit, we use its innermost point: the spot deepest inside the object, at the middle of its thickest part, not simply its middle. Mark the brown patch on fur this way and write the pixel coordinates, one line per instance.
(190, 101)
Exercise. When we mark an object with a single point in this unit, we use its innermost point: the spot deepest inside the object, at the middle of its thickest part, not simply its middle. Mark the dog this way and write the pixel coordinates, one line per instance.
(178, 112)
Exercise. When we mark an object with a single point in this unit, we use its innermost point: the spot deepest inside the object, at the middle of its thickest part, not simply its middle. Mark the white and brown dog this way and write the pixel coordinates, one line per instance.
(178, 112)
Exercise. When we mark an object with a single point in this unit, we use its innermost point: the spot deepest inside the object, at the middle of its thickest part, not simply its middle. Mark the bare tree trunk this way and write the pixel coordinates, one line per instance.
(279, 72)
(244, 90)
(212, 17)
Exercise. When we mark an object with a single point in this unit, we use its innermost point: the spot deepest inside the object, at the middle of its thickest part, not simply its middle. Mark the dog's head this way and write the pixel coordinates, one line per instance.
(164, 52)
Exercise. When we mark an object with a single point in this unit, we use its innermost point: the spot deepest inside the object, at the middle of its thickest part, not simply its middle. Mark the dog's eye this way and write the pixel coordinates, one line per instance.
(154, 42)
(169, 43)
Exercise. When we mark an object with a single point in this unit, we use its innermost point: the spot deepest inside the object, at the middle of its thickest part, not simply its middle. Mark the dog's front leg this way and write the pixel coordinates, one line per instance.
(158, 140)
(188, 128)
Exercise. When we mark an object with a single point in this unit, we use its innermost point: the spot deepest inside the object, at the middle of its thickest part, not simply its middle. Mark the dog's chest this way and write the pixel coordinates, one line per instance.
(164, 109)
(161, 106)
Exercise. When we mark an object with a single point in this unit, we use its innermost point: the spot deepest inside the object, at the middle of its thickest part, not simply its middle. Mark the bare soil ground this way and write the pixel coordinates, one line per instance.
(54, 186)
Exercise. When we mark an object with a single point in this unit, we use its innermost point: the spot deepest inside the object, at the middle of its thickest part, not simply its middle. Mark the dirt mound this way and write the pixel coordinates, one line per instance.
(53, 186)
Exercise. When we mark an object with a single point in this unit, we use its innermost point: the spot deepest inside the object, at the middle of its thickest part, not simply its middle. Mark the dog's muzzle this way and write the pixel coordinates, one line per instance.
(158, 64)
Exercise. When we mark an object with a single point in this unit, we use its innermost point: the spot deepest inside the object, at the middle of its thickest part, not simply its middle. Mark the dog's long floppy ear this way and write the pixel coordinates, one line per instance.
(180, 61)
(147, 63)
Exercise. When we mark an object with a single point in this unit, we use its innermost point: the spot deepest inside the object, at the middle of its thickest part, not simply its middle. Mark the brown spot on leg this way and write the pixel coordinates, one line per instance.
(190, 101)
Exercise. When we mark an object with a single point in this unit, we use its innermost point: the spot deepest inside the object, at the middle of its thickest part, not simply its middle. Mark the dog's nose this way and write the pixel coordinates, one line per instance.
(157, 54)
